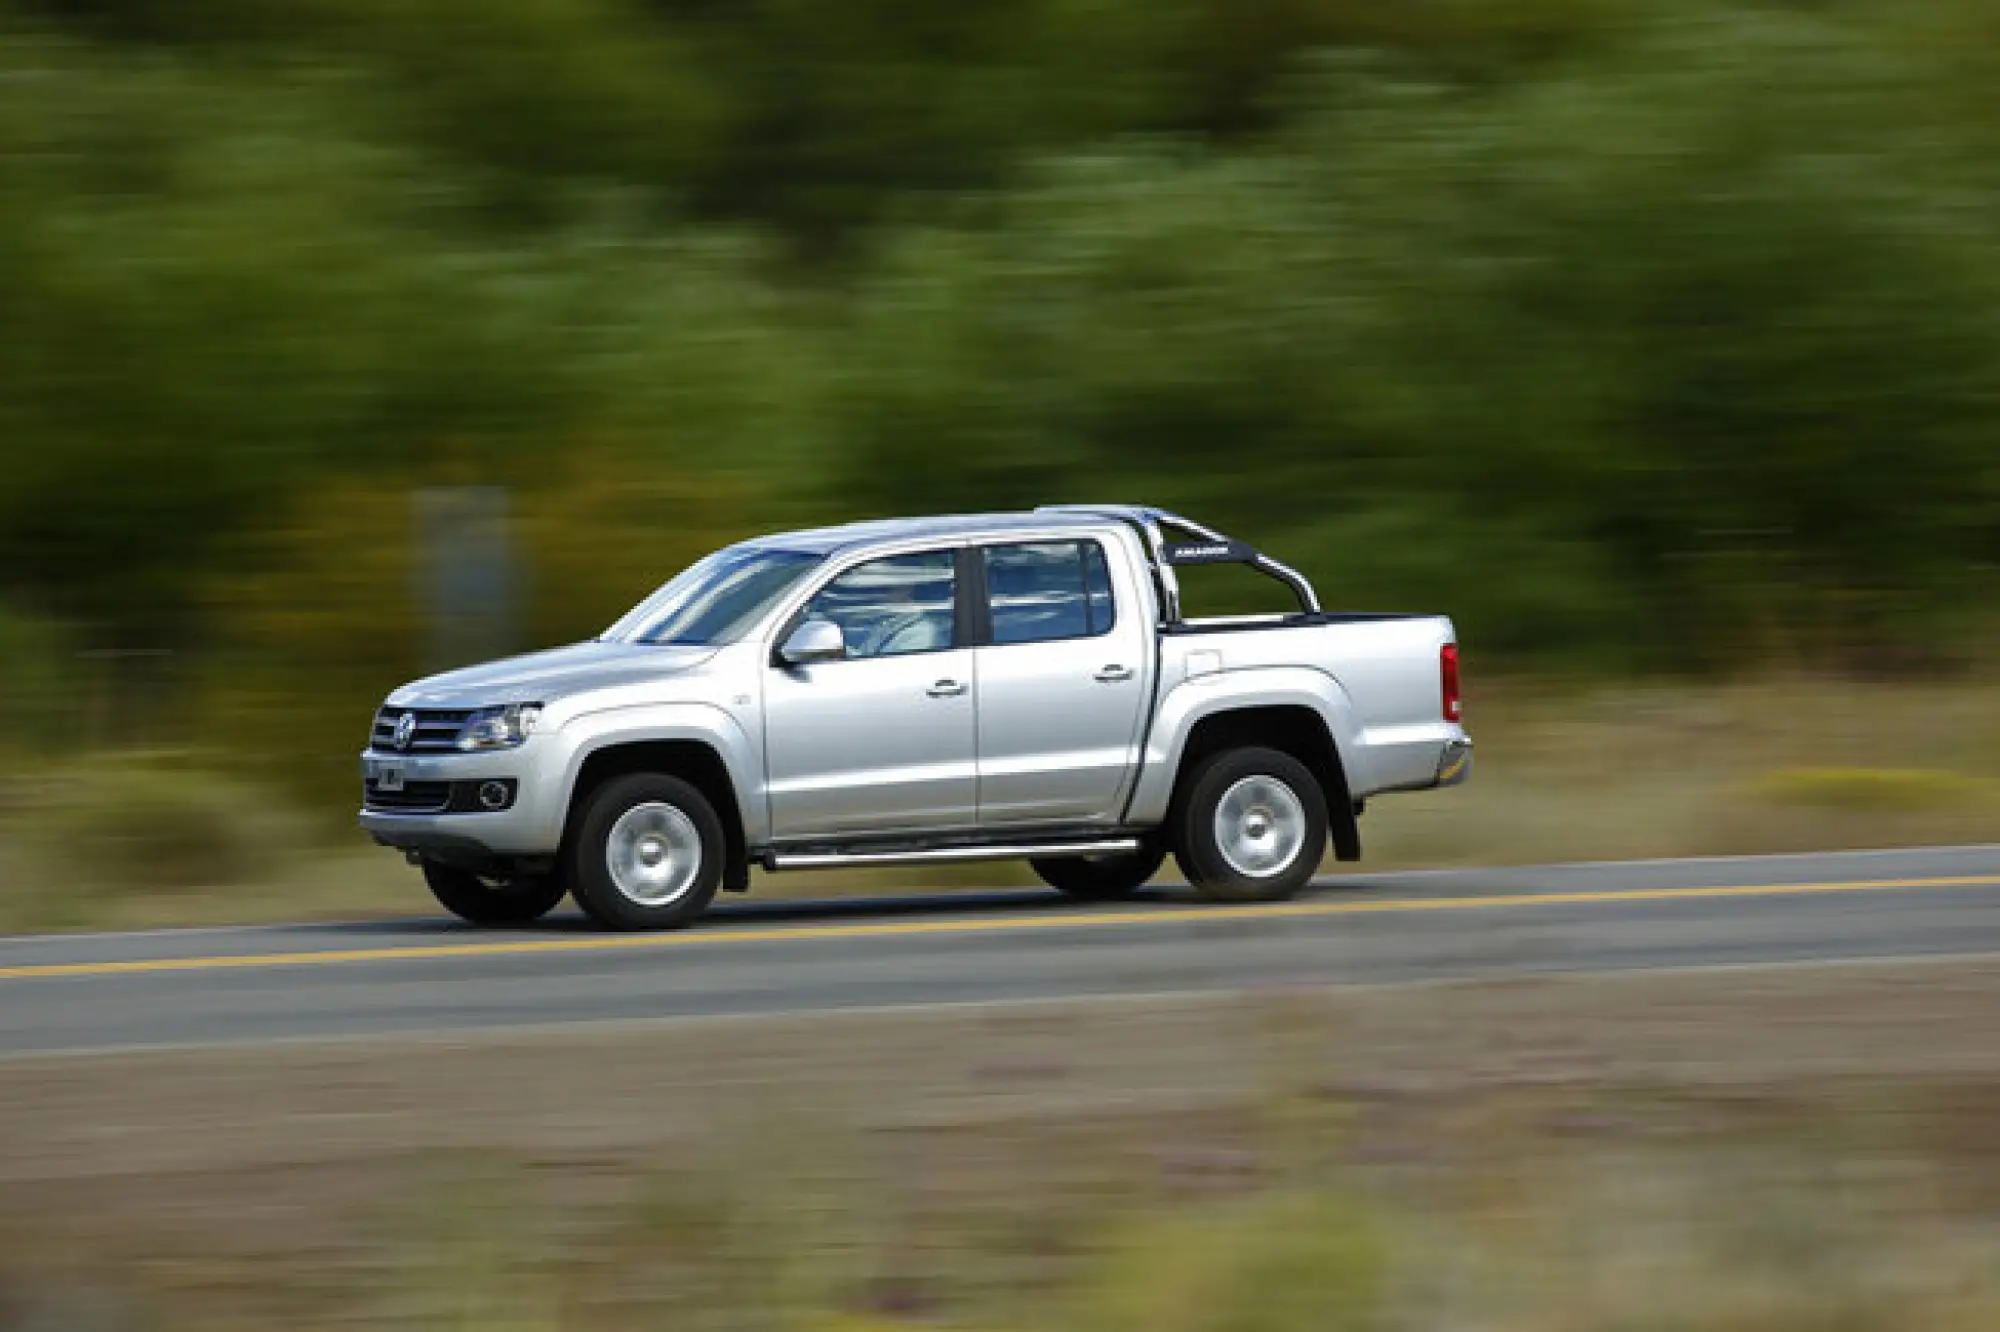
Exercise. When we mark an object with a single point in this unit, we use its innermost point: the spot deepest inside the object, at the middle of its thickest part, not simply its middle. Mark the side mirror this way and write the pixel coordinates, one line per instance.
(815, 640)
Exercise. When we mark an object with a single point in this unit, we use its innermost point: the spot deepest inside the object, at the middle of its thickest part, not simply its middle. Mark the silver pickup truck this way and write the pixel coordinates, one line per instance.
(991, 686)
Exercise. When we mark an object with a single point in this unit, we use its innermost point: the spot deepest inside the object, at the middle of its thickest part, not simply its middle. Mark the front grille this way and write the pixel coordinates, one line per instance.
(414, 798)
(437, 728)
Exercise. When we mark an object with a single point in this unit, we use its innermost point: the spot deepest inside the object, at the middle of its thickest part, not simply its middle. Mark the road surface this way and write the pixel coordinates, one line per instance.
(206, 987)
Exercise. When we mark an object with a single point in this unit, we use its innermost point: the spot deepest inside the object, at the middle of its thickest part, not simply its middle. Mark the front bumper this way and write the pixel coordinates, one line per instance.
(531, 825)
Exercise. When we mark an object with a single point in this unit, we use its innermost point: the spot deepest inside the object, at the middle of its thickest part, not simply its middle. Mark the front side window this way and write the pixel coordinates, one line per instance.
(716, 600)
(893, 606)
(1043, 591)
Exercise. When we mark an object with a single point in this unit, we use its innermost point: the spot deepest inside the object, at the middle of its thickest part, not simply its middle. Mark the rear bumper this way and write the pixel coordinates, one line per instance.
(1455, 763)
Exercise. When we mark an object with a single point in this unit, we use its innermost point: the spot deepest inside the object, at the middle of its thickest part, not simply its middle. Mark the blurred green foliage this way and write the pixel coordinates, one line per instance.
(1868, 790)
(87, 835)
(1662, 335)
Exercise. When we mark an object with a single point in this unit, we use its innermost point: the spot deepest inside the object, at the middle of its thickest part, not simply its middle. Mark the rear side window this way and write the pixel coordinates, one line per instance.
(1044, 591)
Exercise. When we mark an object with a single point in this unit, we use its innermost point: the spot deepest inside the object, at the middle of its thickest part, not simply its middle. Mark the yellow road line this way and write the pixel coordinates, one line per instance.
(975, 925)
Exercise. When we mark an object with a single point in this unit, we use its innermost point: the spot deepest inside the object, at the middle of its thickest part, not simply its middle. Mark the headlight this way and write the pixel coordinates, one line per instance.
(499, 728)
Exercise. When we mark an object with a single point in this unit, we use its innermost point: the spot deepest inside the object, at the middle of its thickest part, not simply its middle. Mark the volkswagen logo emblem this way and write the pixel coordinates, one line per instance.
(406, 730)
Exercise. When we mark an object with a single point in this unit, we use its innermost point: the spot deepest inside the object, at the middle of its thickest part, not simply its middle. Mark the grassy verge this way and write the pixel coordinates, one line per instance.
(1626, 771)
(1783, 1151)
(1606, 772)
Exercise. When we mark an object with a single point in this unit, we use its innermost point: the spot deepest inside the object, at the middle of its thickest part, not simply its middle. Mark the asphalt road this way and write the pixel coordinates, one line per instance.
(203, 987)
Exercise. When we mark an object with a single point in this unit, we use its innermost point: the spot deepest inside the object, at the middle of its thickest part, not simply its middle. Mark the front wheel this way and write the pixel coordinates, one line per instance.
(648, 853)
(487, 900)
(1101, 878)
(1253, 827)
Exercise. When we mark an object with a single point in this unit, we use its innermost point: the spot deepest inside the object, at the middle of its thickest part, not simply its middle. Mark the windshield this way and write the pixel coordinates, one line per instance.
(715, 601)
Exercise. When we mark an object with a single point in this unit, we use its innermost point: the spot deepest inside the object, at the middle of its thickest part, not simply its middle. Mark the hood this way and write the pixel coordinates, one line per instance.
(544, 677)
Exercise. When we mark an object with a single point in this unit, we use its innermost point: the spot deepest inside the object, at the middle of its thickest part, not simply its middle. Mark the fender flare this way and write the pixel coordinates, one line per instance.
(1193, 701)
(712, 727)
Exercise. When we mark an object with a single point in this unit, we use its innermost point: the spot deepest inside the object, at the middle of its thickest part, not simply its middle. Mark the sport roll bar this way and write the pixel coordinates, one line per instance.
(1207, 546)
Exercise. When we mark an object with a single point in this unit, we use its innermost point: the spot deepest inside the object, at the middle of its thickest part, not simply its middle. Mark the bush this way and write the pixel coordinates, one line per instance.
(128, 824)
(38, 682)
(1871, 790)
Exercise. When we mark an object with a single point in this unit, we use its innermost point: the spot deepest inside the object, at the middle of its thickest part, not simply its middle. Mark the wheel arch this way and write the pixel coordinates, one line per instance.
(1296, 729)
(696, 761)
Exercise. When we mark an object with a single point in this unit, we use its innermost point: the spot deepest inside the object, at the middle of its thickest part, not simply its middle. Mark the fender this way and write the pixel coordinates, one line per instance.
(702, 723)
(1192, 700)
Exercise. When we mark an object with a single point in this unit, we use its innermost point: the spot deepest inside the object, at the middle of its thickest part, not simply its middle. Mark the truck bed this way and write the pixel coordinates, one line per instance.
(1383, 668)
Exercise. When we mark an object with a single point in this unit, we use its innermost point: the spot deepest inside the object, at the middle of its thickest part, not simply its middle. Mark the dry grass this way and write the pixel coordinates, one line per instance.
(1597, 773)
(1784, 1151)
(1611, 773)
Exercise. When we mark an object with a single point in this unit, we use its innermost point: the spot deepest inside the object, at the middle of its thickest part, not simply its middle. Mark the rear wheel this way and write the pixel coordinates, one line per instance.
(1101, 878)
(648, 853)
(492, 900)
(1252, 828)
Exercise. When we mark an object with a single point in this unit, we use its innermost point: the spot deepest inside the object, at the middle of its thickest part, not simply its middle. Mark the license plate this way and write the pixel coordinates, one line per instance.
(388, 776)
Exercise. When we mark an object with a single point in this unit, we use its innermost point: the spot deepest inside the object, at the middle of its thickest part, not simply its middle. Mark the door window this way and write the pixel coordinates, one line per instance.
(894, 606)
(1043, 591)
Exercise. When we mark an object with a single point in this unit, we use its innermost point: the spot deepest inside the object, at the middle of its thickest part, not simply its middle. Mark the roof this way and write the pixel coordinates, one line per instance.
(826, 540)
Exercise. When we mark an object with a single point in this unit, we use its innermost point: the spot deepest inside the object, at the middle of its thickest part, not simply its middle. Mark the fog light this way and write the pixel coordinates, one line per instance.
(494, 795)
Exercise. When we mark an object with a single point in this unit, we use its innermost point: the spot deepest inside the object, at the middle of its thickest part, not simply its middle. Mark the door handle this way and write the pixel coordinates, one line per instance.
(1113, 674)
(946, 689)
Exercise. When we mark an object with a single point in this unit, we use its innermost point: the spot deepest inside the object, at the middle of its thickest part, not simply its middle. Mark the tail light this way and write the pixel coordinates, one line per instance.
(1454, 709)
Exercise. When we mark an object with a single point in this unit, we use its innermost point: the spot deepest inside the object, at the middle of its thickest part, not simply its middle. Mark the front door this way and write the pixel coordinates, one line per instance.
(883, 740)
(1062, 686)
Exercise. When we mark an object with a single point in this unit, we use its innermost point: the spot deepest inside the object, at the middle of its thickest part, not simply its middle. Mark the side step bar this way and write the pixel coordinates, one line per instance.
(937, 855)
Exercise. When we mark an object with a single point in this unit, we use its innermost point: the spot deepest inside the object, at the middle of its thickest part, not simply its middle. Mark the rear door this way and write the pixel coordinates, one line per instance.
(1062, 684)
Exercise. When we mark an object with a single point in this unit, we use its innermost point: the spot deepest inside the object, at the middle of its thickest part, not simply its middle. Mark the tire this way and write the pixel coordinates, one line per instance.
(621, 881)
(1101, 878)
(493, 901)
(1252, 828)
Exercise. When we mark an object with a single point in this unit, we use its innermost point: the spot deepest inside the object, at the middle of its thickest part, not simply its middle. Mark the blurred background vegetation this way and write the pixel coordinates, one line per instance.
(1656, 341)
(1642, 336)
